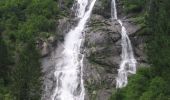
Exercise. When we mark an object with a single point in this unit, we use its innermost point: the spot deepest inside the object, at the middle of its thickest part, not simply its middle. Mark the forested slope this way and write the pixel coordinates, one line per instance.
(23, 23)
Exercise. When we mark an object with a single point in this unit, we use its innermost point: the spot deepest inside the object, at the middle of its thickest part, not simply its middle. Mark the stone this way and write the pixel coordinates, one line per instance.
(101, 47)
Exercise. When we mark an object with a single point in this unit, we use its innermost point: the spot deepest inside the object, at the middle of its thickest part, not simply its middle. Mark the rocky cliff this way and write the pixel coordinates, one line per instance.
(102, 49)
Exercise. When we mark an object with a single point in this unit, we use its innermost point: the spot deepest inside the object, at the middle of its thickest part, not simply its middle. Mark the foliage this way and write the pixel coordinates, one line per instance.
(26, 75)
(134, 5)
(4, 91)
(138, 11)
(153, 83)
(22, 23)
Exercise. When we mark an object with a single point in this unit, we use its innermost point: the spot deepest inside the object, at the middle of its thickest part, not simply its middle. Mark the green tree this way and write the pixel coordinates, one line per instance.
(154, 83)
(26, 76)
(157, 90)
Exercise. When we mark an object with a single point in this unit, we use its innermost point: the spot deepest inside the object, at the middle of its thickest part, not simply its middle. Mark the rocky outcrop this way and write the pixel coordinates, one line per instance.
(102, 52)
(50, 52)
(102, 49)
(103, 7)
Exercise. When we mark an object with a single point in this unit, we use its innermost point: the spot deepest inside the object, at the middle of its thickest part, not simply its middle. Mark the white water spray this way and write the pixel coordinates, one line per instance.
(69, 71)
(128, 62)
(81, 4)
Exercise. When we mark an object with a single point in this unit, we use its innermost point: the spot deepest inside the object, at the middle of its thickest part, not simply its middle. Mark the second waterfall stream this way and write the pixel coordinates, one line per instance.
(69, 71)
(128, 61)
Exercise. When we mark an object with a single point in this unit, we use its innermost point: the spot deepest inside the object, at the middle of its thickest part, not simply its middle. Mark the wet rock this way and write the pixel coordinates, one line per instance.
(103, 94)
(102, 7)
(45, 49)
(64, 26)
(102, 49)
(48, 76)
(132, 28)
(103, 54)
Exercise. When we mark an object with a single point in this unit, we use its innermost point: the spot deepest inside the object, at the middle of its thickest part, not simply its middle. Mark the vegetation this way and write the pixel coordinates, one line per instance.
(152, 83)
(138, 10)
(134, 5)
(22, 24)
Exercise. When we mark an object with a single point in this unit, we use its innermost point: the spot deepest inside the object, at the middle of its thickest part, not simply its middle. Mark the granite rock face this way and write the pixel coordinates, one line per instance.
(103, 53)
(102, 50)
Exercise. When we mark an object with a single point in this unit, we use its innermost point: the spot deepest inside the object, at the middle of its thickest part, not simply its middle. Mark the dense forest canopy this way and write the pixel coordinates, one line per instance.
(22, 24)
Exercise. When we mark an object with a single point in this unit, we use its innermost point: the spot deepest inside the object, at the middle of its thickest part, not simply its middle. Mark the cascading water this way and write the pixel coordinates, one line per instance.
(81, 4)
(69, 71)
(128, 62)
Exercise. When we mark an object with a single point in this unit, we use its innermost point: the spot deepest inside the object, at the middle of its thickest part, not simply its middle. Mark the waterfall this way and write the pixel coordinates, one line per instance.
(128, 61)
(69, 71)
